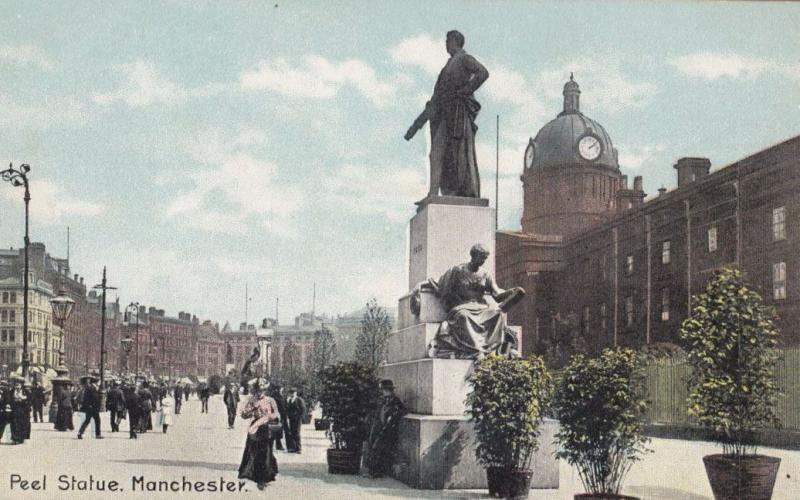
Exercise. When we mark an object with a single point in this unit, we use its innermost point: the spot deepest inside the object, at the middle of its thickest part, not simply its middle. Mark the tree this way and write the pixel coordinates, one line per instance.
(731, 339)
(374, 337)
(323, 354)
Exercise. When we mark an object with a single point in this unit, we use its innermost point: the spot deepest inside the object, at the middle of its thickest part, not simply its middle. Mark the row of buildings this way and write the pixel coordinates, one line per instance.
(604, 266)
(175, 346)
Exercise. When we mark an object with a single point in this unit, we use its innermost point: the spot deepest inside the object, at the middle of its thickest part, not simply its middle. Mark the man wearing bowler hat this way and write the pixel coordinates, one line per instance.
(90, 405)
(384, 432)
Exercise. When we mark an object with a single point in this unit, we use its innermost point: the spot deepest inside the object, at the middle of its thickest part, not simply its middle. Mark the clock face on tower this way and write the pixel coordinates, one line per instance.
(589, 147)
(530, 154)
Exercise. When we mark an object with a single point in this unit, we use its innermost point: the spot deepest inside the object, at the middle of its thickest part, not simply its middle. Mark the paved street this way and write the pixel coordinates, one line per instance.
(201, 448)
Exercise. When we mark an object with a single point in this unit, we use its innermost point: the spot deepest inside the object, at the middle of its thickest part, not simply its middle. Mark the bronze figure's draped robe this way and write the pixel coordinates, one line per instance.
(474, 327)
(452, 112)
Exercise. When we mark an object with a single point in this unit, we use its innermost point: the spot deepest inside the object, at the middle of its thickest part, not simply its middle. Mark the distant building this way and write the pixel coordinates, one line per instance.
(603, 267)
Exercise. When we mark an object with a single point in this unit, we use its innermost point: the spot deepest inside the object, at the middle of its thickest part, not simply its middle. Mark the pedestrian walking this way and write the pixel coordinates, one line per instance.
(276, 392)
(90, 406)
(231, 400)
(115, 402)
(37, 401)
(295, 413)
(205, 393)
(6, 398)
(383, 434)
(165, 418)
(64, 410)
(134, 406)
(146, 414)
(178, 396)
(258, 461)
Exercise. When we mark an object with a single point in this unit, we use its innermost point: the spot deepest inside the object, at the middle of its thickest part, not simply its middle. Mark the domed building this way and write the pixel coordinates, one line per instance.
(571, 174)
(601, 267)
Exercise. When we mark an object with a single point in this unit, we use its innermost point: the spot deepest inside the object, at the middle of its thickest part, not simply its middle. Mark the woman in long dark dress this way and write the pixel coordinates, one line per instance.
(258, 462)
(146, 415)
(20, 415)
(64, 413)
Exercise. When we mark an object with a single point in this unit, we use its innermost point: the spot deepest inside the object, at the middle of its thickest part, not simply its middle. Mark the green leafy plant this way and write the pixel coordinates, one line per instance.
(349, 394)
(600, 404)
(731, 340)
(506, 405)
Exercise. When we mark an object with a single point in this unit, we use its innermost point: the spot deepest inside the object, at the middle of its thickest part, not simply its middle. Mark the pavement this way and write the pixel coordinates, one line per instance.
(200, 448)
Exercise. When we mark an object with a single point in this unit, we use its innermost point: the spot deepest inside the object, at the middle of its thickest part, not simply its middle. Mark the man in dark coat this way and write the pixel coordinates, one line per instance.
(275, 392)
(231, 400)
(115, 402)
(6, 398)
(384, 432)
(146, 408)
(178, 395)
(37, 401)
(90, 406)
(134, 406)
(295, 412)
(205, 393)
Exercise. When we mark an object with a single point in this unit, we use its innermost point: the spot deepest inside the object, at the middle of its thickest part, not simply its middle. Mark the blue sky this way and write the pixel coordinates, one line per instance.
(195, 146)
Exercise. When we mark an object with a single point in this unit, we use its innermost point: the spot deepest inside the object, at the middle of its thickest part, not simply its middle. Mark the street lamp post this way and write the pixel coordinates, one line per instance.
(103, 286)
(19, 178)
(62, 307)
(134, 306)
(127, 344)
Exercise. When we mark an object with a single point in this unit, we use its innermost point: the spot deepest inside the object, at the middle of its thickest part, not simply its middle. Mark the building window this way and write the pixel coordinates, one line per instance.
(779, 280)
(586, 319)
(4, 336)
(665, 255)
(779, 224)
(5, 297)
(665, 304)
(603, 322)
(12, 316)
(4, 316)
(13, 298)
(712, 239)
(629, 311)
(629, 264)
(11, 336)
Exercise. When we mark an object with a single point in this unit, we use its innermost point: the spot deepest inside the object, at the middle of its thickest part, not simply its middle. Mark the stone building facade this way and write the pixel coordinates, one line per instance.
(604, 267)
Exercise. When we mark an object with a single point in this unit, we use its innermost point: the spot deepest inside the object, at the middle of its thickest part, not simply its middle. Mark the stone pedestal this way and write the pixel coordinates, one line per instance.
(437, 442)
(442, 234)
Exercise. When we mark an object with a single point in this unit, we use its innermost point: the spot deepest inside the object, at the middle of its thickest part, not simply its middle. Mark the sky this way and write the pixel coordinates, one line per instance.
(193, 147)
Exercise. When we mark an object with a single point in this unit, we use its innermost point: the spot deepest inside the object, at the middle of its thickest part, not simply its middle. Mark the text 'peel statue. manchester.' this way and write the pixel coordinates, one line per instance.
(474, 326)
(451, 112)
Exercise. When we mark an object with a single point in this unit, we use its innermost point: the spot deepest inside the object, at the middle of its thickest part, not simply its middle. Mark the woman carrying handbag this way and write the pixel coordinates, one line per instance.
(258, 462)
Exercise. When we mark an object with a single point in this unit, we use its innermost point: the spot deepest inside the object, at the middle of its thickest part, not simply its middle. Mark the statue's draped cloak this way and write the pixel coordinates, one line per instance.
(473, 326)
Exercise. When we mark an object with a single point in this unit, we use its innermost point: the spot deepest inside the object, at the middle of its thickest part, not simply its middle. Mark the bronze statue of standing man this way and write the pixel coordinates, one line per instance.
(452, 111)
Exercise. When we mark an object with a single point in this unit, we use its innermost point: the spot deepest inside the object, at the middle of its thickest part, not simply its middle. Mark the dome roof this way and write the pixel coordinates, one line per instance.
(556, 144)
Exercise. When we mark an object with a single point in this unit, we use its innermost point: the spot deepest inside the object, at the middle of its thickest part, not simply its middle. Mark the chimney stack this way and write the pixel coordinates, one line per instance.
(691, 169)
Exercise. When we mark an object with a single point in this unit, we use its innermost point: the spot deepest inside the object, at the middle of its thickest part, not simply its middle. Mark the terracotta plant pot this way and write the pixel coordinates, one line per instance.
(504, 483)
(344, 461)
(603, 496)
(750, 476)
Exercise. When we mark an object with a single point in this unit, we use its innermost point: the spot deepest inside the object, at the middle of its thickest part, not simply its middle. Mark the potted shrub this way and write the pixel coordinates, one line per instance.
(348, 395)
(506, 406)
(600, 405)
(731, 340)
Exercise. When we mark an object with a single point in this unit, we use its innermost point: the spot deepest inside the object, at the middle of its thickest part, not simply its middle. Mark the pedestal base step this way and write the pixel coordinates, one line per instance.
(438, 452)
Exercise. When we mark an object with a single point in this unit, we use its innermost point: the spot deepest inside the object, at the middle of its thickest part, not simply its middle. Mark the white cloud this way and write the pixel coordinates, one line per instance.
(635, 158)
(236, 189)
(716, 65)
(390, 192)
(422, 51)
(143, 86)
(317, 78)
(41, 115)
(50, 203)
(25, 55)
(603, 84)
